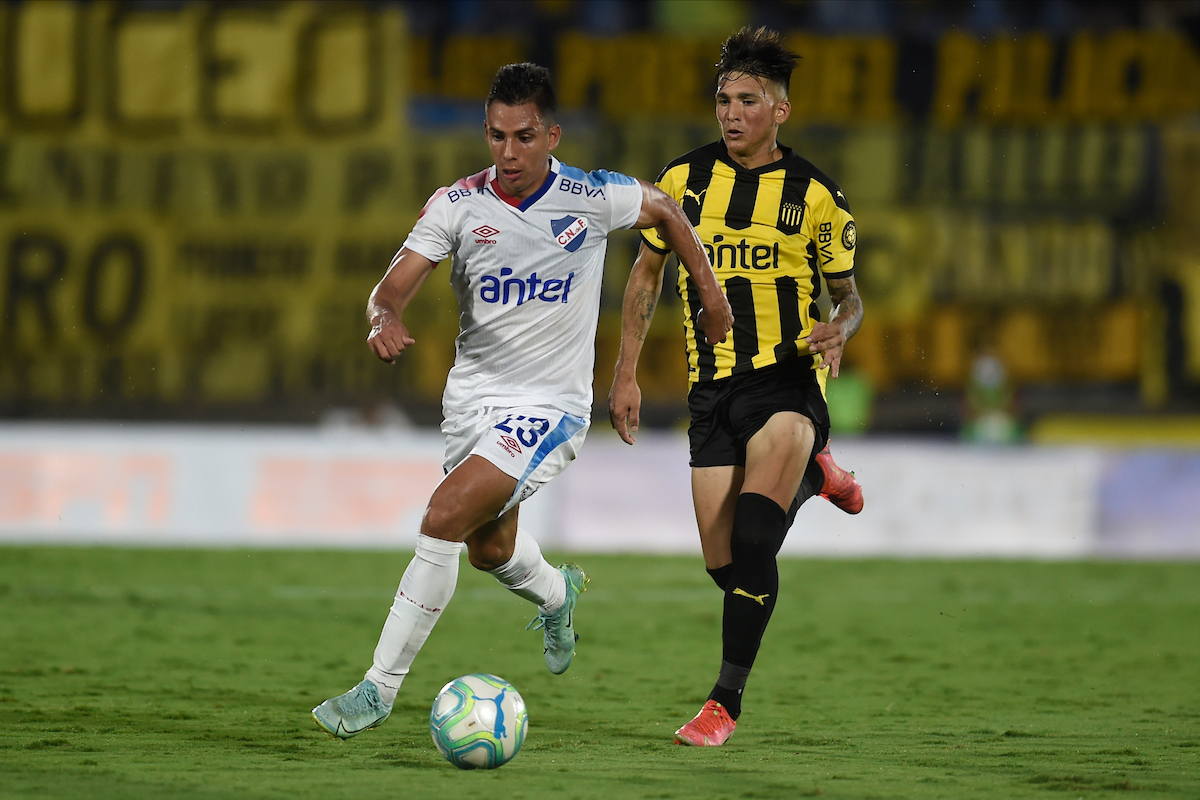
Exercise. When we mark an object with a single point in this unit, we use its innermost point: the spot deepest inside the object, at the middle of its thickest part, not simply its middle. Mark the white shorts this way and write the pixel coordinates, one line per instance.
(529, 443)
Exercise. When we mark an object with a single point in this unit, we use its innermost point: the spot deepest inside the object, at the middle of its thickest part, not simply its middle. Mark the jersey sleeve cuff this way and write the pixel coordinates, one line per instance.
(662, 251)
(421, 249)
(846, 273)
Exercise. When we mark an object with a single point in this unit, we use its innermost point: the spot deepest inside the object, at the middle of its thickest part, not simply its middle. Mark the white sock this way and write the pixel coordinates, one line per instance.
(530, 576)
(426, 588)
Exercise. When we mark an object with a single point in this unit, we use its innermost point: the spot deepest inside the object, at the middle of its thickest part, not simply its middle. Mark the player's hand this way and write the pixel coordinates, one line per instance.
(715, 320)
(624, 407)
(828, 339)
(388, 338)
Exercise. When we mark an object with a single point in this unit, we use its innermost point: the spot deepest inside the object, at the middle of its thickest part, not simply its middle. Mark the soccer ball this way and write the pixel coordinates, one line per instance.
(478, 721)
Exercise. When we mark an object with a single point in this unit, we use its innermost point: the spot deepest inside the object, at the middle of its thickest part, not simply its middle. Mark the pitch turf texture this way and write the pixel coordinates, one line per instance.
(190, 674)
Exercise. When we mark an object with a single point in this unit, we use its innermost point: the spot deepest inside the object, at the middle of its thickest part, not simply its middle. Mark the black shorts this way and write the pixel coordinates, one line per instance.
(726, 413)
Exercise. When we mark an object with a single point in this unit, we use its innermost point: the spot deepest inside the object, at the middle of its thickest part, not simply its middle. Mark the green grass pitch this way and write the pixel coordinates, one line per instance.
(190, 674)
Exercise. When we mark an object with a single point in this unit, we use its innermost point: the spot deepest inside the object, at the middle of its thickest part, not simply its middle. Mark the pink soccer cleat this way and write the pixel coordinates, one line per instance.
(710, 728)
(841, 487)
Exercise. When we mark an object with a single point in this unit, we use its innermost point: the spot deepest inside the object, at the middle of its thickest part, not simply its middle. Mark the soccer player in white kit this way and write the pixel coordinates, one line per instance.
(528, 237)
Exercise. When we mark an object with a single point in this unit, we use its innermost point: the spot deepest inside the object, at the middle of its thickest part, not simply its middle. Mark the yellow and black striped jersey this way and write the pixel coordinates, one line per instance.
(771, 233)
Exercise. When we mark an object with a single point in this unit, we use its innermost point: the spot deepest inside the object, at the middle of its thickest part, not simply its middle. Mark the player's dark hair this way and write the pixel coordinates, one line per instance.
(518, 84)
(758, 52)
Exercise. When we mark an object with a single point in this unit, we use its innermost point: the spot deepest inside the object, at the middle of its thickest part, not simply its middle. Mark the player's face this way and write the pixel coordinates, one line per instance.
(521, 145)
(750, 110)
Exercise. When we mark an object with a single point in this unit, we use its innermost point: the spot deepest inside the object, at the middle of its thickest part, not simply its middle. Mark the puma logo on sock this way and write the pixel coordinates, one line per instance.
(758, 598)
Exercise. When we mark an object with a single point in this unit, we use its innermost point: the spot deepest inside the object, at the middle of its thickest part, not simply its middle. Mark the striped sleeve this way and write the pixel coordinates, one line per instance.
(672, 181)
(831, 229)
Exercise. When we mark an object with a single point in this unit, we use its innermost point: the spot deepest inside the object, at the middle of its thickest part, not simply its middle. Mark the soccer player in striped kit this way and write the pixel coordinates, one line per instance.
(527, 238)
(773, 226)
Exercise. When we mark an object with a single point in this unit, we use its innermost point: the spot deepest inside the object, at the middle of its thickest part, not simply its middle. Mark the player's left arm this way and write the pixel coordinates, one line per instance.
(661, 212)
(832, 227)
(829, 338)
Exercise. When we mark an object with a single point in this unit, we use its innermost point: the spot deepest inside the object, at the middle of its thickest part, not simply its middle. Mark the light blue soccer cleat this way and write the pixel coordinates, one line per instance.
(558, 629)
(349, 714)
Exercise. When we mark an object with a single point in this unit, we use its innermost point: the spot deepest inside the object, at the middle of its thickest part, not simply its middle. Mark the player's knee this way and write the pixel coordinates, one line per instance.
(759, 527)
(755, 548)
(442, 521)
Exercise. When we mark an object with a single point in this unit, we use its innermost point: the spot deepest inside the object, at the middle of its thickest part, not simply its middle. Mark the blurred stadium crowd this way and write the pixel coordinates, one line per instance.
(197, 197)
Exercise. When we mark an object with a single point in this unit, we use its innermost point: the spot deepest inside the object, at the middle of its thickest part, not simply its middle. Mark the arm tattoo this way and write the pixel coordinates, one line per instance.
(644, 304)
(843, 293)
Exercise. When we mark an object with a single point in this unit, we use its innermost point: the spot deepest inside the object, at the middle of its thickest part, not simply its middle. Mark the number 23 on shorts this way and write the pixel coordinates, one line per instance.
(528, 430)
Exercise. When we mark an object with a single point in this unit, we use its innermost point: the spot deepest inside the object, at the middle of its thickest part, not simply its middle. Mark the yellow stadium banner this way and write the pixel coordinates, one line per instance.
(197, 200)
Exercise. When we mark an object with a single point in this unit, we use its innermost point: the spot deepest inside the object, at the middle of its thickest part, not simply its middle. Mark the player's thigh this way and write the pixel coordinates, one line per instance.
(714, 495)
(473, 494)
(777, 455)
(531, 444)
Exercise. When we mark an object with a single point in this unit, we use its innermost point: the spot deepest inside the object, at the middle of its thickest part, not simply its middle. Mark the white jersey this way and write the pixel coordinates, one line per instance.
(527, 275)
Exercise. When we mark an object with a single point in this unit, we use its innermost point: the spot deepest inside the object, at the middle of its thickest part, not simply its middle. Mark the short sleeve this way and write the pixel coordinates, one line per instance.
(624, 197)
(670, 182)
(831, 227)
(432, 236)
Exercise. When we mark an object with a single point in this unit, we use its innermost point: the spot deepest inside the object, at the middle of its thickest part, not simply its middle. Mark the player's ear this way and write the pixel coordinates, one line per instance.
(555, 133)
(782, 112)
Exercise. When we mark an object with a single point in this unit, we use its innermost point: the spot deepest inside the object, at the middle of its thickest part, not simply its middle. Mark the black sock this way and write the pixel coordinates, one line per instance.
(810, 485)
(720, 576)
(759, 526)
(730, 698)
(728, 691)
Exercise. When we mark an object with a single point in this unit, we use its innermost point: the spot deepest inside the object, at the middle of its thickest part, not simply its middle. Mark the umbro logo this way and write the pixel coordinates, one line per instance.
(485, 234)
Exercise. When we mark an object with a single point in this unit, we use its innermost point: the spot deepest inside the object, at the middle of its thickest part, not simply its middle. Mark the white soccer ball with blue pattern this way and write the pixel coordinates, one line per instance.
(478, 721)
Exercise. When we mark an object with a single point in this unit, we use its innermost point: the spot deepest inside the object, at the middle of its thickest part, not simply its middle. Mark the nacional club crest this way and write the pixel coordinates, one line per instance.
(569, 232)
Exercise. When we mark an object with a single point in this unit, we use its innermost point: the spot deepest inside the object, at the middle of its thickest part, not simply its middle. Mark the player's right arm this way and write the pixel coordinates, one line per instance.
(637, 310)
(430, 241)
(661, 212)
(385, 308)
